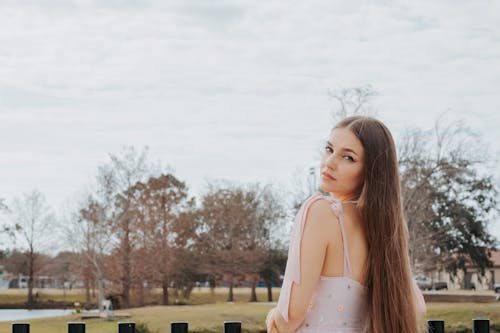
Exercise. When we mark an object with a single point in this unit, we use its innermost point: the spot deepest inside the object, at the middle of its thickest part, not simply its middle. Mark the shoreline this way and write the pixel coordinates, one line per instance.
(51, 305)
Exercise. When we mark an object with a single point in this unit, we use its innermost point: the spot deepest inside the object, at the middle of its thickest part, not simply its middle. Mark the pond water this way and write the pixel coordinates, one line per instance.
(21, 314)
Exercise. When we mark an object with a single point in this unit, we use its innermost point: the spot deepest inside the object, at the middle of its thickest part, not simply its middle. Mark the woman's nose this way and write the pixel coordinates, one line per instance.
(331, 162)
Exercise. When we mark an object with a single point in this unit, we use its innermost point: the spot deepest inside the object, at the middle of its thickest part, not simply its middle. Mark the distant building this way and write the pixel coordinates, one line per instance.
(472, 278)
(20, 281)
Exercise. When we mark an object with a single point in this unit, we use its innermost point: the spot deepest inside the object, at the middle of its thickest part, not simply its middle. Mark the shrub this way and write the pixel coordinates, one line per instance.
(142, 327)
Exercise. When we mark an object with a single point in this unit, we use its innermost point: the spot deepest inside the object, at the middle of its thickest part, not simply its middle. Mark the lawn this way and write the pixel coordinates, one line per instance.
(458, 316)
(152, 297)
(19, 296)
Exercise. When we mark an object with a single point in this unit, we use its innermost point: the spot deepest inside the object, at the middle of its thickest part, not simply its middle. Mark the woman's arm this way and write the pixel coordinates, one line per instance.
(317, 229)
(419, 300)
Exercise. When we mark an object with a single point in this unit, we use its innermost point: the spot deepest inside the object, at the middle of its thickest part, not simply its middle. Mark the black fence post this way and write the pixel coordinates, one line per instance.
(76, 327)
(232, 327)
(20, 328)
(435, 326)
(481, 326)
(126, 327)
(178, 327)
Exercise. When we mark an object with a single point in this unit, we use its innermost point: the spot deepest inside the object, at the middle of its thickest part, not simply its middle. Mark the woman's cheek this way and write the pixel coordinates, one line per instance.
(360, 179)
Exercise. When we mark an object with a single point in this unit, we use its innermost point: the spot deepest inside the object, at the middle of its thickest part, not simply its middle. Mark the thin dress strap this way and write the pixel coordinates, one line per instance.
(336, 205)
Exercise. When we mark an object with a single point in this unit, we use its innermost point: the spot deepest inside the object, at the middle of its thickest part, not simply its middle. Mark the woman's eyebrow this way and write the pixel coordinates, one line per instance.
(344, 149)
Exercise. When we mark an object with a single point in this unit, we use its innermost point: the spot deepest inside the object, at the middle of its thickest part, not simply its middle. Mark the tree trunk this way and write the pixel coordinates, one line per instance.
(253, 295)
(100, 287)
(164, 251)
(126, 292)
(87, 293)
(86, 282)
(126, 269)
(165, 291)
(230, 297)
(186, 293)
(269, 291)
(31, 261)
(140, 296)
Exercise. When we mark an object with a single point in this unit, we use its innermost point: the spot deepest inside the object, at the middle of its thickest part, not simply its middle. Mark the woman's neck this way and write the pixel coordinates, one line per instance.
(345, 199)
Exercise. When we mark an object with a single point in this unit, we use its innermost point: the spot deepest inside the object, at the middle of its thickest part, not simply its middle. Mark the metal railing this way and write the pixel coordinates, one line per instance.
(478, 326)
(129, 327)
(434, 326)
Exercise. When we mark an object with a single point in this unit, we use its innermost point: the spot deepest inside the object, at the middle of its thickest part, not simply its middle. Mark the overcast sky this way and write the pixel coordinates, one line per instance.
(228, 89)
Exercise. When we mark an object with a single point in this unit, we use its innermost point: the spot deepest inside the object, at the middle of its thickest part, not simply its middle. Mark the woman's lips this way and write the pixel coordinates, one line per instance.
(326, 176)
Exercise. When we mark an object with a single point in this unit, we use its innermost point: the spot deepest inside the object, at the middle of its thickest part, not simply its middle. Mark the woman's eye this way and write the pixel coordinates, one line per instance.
(349, 158)
(328, 149)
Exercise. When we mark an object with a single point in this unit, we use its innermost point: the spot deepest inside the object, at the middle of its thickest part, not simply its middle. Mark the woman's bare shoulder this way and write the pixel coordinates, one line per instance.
(321, 214)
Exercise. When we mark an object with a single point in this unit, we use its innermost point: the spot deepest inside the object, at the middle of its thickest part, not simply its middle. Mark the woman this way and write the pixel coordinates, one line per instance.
(348, 268)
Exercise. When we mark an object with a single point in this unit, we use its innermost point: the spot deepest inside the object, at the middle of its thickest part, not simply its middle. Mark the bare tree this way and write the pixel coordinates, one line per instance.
(105, 222)
(118, 177)
(353, 101)
(91, 234)
(33, 221)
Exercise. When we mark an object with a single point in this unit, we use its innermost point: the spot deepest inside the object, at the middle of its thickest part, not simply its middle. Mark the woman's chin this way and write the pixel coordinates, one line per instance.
(325, 188)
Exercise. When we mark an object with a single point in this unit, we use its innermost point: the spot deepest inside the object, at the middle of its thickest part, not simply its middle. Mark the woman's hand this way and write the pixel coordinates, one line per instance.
(270, 321)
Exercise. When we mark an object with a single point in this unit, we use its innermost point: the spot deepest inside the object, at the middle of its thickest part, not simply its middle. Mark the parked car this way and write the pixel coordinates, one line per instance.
(438, 285)
(423, 282)
(496, 287)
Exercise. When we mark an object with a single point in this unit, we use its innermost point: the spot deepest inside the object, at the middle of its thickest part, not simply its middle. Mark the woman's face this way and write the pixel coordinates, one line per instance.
(342, 163)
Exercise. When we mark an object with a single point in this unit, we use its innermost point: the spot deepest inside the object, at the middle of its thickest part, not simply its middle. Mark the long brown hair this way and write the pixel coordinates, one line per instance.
(390, 292)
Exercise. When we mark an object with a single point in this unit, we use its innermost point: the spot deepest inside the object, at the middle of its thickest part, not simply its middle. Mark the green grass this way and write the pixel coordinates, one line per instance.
(154, 297)
(458, 316)
(206, 296)
(20, 296)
